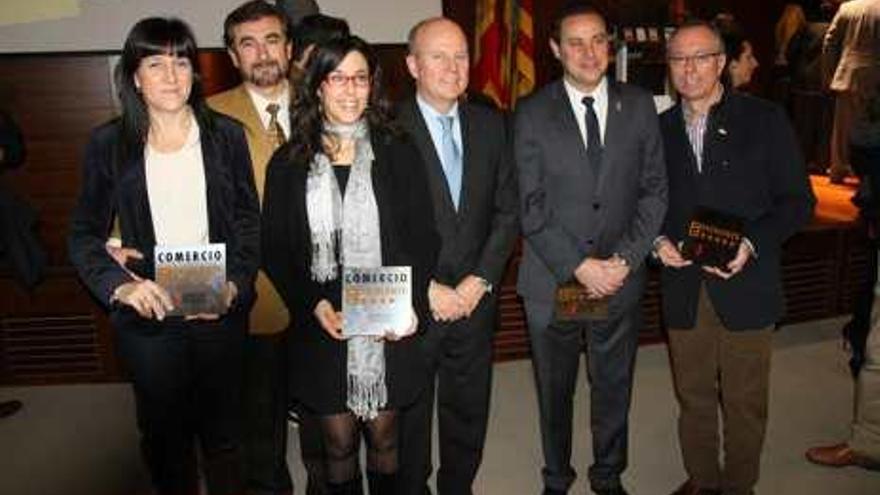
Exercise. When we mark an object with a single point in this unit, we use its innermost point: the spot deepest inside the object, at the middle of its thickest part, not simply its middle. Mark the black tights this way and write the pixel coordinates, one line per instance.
(342, 433)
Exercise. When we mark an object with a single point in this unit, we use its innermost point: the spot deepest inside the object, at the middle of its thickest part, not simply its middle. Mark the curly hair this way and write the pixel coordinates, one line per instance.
(306, 110)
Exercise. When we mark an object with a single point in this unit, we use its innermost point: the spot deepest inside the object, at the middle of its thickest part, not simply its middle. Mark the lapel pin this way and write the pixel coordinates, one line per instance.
(722, 131)
(618, 105)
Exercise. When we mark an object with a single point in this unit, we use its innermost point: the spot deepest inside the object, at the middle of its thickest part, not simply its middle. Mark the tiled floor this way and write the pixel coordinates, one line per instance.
(81, 440)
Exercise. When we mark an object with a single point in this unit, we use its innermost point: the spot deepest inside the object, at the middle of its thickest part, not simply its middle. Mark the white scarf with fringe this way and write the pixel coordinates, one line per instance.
(353, 218)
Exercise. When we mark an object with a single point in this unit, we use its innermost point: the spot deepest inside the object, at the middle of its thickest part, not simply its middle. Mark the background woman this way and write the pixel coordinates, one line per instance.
(172, 173)
(741, 61)
(347, 190)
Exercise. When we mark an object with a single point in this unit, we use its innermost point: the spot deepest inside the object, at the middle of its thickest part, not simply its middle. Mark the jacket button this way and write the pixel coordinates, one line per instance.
(590, 242)
(596, 206)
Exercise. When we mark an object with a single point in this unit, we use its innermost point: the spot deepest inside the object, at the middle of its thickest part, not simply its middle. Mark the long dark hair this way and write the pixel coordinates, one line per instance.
(306, 115)
(154, 36)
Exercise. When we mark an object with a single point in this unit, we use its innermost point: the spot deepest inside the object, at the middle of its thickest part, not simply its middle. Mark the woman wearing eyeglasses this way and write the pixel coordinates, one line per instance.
(348, 190)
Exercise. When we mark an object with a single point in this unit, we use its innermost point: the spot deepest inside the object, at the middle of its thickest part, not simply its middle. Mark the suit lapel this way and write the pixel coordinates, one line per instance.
(692, 170)
(379, 176)
(214, 200)
(247, 112)
(568, 129)
(614, 122)
(468, 141)
(134, 179)
(436, 177)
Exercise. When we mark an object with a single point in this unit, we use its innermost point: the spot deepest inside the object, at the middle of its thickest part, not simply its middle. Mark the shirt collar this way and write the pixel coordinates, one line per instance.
(719, 99)
(261, 102)
(429, 113)
(599, 93)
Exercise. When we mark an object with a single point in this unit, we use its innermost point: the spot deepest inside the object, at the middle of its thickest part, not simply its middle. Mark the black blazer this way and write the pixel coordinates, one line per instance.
(478, 238)
(117, 187)
(406, 218)
(752, 167)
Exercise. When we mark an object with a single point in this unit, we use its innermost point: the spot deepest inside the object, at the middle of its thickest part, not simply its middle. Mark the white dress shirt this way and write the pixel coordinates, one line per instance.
(435, 129)
(177, 192)
(283, 101)
(600, 106)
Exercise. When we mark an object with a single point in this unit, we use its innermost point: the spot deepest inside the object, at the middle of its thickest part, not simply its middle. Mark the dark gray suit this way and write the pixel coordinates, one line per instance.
(477, 239)
(572, 209)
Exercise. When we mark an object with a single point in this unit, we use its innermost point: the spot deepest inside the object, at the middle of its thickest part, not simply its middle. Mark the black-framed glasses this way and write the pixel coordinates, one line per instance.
(699, 59)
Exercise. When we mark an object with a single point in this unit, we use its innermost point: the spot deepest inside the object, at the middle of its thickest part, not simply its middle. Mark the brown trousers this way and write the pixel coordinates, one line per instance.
(715, 366)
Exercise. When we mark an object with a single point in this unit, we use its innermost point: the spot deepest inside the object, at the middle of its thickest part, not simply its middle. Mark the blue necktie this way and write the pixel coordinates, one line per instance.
(450, 157)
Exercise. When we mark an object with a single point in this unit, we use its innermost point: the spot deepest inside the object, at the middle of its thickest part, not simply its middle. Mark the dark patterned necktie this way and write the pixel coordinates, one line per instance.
(275, 128)
(594, 142)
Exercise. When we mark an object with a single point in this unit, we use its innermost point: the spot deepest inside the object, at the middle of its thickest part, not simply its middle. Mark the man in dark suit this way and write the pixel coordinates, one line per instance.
(593, 194)
(473, 188)
(736, 156)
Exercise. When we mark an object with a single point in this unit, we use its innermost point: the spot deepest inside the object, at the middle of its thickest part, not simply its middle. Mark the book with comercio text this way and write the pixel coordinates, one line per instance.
(194, 276)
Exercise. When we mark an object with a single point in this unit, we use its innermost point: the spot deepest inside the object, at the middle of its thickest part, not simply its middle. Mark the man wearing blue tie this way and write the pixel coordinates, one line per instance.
(473, 190)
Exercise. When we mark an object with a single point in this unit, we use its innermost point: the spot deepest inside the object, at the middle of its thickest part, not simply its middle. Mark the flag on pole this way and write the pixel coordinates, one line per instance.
(524, 60)
(504, 50)
(491, 69)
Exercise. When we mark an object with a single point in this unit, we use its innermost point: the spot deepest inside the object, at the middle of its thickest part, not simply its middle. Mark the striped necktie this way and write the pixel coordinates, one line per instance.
(275, 128)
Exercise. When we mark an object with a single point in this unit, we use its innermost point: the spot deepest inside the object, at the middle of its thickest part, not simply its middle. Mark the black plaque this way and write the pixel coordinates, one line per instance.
(712, 238)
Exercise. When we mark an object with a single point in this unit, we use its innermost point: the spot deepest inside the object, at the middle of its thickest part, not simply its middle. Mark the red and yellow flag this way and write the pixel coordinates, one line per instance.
(490, 73)
(524, 61)
(504, 67)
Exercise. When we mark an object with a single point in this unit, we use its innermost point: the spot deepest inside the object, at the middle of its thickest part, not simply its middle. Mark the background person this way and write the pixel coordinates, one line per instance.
(313, 30)
(740, 57)
(851, 60)
(257, 39)
(862, 448)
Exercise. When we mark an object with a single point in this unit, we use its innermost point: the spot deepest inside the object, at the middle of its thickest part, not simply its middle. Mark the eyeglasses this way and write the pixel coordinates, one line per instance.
(339, 80)
(700, 59)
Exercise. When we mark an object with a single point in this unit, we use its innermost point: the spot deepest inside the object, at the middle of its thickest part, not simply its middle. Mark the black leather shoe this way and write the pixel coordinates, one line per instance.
(611, 491)
(691, 488)
(9, 408)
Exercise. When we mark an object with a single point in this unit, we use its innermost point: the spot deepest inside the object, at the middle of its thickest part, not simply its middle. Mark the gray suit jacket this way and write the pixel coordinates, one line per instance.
(570, 209)
(851, 51)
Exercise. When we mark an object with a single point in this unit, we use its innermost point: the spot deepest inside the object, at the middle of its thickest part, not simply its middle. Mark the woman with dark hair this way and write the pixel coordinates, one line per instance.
(171, 173)
(741, 61)
(348, 191)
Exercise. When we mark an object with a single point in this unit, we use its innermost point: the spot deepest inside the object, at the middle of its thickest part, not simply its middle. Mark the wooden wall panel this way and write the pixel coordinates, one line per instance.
(55, 333)
(58, 333)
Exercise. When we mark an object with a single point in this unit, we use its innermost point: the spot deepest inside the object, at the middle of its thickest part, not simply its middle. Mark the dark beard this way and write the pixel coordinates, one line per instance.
(266, 74)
